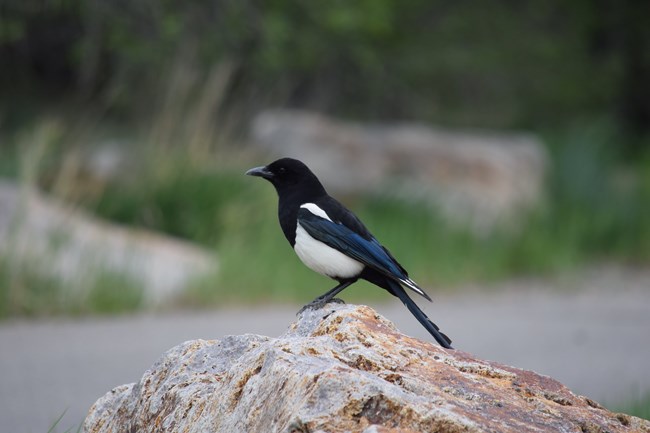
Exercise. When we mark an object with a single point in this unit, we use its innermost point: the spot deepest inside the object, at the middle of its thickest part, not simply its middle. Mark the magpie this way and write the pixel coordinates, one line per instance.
(331, 240)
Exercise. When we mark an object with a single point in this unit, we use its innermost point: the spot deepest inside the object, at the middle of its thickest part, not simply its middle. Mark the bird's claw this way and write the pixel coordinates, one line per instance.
(317, 304)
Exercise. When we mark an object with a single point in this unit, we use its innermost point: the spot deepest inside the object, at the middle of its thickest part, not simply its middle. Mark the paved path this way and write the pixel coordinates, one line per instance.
(594, 336)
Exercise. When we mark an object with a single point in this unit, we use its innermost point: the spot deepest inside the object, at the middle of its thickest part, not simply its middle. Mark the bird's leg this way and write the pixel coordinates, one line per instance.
(322, 300)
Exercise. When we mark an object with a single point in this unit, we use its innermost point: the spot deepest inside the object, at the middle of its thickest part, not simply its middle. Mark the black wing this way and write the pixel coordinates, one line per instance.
(362, 247)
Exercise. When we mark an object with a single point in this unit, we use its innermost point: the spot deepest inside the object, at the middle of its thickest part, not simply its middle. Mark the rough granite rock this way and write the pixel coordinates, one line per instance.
(343, 368)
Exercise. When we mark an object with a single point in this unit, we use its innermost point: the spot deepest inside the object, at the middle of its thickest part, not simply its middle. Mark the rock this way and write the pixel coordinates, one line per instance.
(65, 243)
(343, 368)
(482, 178)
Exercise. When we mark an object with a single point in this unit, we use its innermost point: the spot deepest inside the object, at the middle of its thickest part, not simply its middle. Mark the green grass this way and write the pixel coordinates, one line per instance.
(590, 215)
(28, 289)
(54, 427)
(597, 209)
(639, 407)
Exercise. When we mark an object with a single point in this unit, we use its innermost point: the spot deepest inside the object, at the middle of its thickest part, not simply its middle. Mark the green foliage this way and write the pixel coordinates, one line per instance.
(32, 289)
(28, 292)
(183, 75)
(597, 209)
(495, 64)
(192, 203)
(592, 188)
(55, 425)
(639, 407)
(112, 292)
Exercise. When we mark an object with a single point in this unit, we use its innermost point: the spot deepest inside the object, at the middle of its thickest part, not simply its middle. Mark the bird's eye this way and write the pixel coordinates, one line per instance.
(282, 170)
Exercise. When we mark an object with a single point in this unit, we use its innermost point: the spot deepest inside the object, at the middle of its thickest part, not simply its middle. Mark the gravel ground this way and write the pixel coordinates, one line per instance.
(591, 332)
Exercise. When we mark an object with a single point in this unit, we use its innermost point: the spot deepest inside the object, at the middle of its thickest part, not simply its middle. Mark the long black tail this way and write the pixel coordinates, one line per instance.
(433, 329)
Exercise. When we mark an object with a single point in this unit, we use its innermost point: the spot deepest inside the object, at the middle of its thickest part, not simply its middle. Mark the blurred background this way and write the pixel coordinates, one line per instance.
(489, 145)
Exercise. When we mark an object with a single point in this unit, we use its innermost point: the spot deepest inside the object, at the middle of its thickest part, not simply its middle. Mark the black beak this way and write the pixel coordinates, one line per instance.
(260, 172)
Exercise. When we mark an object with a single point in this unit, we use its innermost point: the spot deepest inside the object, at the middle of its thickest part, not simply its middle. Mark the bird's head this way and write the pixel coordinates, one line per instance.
(288, 174)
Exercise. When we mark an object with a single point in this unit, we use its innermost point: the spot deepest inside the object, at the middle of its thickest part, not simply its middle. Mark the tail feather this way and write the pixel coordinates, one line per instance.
(433, 329)
(417, 289)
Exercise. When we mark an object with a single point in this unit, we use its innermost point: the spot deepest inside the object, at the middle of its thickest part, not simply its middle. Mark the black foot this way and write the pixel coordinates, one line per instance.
(318, 303)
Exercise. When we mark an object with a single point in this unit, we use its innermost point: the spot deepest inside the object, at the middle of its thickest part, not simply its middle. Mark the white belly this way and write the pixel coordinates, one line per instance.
(324, 259)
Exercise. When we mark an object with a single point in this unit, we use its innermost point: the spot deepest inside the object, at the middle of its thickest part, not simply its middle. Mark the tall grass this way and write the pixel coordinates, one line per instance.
(597, 208)
(54, 427)
(184, 129)
(29, 284)
(639, 407)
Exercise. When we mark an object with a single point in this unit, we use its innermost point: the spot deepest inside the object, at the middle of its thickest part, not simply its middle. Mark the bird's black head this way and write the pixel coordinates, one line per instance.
(287, 174)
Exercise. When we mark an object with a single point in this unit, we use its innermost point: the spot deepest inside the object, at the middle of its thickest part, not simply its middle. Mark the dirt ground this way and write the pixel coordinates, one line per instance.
(590, 331)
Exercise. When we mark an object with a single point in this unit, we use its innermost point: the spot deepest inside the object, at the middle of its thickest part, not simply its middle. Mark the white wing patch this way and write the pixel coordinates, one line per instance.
(320, 257)
(311, 207)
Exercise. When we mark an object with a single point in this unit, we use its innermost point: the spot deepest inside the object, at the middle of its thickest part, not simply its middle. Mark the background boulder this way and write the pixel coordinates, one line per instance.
(60, 241)
(479, 177)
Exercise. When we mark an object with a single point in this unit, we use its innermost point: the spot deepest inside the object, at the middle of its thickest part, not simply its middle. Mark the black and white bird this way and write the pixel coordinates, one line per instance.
(332, 241)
